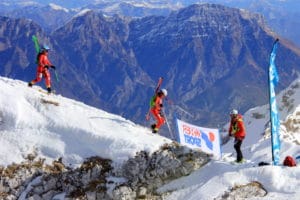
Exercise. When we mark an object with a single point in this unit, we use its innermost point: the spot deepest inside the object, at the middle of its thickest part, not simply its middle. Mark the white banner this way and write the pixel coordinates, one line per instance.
(206, 139)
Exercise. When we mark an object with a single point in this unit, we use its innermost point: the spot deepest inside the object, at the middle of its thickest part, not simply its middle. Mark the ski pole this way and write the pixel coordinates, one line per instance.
(56, 76)
(171, 134)
(148, 115)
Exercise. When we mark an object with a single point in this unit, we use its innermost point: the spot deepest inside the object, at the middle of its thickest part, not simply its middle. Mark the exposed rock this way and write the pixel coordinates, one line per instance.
(169, 163)
(250, 190)
(144, 174)
(142, 192)
(124, 193)
(35, 197)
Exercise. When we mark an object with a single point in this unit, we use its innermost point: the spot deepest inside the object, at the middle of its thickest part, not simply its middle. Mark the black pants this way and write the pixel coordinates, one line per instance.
(237, 146)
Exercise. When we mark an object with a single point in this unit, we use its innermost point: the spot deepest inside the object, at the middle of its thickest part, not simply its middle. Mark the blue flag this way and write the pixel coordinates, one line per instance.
(275, 123)
(272, 70)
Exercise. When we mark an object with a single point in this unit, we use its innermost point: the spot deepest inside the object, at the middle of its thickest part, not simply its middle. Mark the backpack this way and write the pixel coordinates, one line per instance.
(152, 101)
(289, 161)
(38, 58)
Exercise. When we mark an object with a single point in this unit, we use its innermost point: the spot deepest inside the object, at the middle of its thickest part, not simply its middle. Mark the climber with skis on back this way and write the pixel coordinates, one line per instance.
(156, 109)
(43, 68)
(238, 131)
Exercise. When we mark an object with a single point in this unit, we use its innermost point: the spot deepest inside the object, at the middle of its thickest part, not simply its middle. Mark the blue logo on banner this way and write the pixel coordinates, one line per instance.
(192, 140)
(207, 140)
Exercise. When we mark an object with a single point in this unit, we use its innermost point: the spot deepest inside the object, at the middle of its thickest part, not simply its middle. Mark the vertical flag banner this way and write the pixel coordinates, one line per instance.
(205, 139)
(274, 117)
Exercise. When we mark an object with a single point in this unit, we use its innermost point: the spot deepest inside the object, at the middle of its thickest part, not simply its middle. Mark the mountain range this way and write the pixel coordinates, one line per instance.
(280, 15)
(213, 58)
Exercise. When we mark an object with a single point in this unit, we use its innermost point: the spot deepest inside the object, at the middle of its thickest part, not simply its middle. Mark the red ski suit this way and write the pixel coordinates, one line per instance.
(237, 128)
(42, 70)
(156, 111)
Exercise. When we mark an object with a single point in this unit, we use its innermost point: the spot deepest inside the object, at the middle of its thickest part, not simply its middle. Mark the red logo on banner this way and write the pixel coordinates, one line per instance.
(211, 136)
(191, 131)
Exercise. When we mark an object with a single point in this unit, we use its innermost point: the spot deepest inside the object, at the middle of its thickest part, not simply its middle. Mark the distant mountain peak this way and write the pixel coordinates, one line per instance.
(57, 7)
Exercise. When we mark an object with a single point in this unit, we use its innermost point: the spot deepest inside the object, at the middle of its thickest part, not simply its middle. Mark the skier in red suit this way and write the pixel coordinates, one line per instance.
(43, 68)
(156, 110)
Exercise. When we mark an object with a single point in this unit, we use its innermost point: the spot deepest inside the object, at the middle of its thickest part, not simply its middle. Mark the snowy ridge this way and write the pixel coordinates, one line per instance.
(71, 130)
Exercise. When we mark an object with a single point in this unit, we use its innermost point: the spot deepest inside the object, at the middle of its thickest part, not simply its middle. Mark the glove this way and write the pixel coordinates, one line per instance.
(161, 114)
(46, 67)
(53, 67)
(160, 105)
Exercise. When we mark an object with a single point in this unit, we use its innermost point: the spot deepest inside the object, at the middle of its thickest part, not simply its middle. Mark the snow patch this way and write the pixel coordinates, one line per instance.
(57, 7)
(82, 12)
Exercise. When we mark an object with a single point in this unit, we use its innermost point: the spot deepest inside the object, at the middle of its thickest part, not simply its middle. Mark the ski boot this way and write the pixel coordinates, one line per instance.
(49, 90)
(155, 130)
(153, 126)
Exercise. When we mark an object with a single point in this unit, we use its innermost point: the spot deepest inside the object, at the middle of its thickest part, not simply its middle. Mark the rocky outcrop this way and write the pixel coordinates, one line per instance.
(251, 190)
(96, 178)
(146, 173)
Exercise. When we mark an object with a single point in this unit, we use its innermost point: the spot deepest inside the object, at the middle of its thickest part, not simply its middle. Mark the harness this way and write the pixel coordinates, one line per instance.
(235, 127)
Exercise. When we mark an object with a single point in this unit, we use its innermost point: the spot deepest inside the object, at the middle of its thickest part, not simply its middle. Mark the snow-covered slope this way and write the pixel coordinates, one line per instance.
(71, 130)
(219, 178)
(75, 131)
